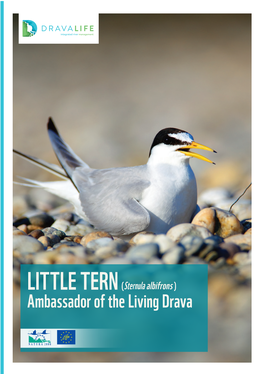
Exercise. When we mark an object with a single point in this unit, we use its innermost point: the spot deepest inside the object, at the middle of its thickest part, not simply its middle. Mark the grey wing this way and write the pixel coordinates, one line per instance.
(109, 198)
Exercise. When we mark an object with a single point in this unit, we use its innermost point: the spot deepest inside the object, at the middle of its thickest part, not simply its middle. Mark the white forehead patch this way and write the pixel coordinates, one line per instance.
(182, 136)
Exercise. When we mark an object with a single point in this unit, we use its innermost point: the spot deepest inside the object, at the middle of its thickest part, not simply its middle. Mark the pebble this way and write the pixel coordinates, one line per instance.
(244, 241)
(79, 229)
(61, 224)
(54, 257)
(24, 244)
(174, 255)
(36, 233)
(42, 220)
(228, 249)
(140, 236)
(219, 222)
(164, 242)
(192, 244)
(241, 209)
(73, 248)
(95, 244)
(242, 258)
(176, 233)
(93, 236)
(21, 221)
(20, 206)
(45, 240)
(213, 196)
(49, 231)
(23, 228)
(143, 251)
(18, 232)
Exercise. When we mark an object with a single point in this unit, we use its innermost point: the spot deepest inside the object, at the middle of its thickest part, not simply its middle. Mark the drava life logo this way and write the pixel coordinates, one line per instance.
(29, 28)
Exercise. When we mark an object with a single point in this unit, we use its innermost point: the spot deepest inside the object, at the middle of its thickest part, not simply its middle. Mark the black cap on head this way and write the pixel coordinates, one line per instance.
(164, 136)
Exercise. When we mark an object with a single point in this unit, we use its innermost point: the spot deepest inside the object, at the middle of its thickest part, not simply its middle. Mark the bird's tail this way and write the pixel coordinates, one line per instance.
(67, 158)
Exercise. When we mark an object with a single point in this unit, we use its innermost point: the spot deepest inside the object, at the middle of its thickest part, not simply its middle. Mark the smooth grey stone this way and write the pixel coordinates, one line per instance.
(174, 255)
(26, 244)
(144, 251)
(79, 229)
(177, 232)
(48, 231)
(192, 244)
(98, 243)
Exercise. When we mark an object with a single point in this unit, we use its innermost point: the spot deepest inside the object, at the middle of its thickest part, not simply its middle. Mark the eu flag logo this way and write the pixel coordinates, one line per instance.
(66, 337)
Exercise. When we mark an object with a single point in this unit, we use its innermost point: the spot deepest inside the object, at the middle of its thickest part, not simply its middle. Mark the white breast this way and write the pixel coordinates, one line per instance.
(171, 198)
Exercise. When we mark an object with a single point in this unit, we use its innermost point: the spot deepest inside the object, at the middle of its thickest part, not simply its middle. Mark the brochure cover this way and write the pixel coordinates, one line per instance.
(131, 186)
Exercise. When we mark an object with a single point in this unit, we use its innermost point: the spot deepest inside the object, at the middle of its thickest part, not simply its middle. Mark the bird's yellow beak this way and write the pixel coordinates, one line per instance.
(196, 155)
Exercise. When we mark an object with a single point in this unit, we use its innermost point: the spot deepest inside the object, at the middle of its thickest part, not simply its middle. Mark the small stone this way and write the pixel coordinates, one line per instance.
(209, 248)
(135, 239)
(61, 224)
(248, 232)
(247, 224)
(24, 244)
(192, 245)
(20, 206)
(54, 257)
(93, 236)
(73, 248)
(229, 224)
(215, 240)
(45, 240)
(80, 230)
(98, 243)
(143, 238)
(42, 220)
(23, 228)
(212, 256)
(18, 232)
(36, 234)
(241, 209)
(176, 233)
(144, 251)
(242, 258)
(21, 221)
(105, 252)
(174, 255)
(212, 196)
(228, 249)
(205, 218)
(33, 227)
(164, 242)
(218, 221)
(48, 231)
(77, 239)
(244, 241)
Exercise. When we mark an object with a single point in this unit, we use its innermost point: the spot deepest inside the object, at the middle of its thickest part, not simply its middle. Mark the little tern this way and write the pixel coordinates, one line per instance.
(126, 200)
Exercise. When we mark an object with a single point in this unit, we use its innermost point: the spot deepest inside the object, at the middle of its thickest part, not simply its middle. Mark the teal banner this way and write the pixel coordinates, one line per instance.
(136, 308)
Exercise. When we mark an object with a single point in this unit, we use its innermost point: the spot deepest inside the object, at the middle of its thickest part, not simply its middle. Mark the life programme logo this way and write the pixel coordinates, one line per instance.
(29, 28)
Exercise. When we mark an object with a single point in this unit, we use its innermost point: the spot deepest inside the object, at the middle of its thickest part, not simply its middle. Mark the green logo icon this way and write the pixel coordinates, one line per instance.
(29, 28)
(39, 338)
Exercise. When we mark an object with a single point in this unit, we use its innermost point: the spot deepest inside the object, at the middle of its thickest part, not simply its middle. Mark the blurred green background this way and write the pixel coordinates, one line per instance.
(109, 100)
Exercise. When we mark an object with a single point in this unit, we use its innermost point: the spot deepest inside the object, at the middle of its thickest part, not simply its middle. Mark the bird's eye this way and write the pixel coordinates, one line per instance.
(167, 140)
